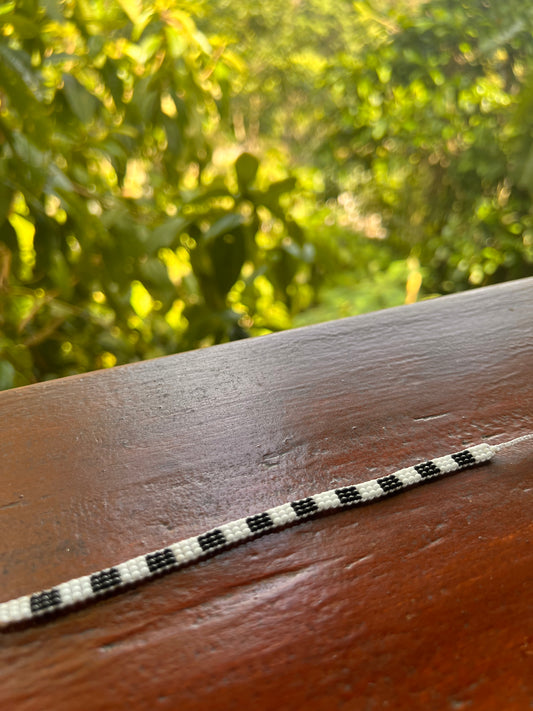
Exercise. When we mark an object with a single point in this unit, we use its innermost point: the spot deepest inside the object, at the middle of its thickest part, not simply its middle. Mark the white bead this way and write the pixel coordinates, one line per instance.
(408, 476)
(326, 500)
(446, 464)
(235, 531)
(370, 490)
(281, 515)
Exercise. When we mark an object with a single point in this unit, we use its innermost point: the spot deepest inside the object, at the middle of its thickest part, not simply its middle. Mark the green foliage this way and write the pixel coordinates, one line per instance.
(123, 235)
(417, 117)
(437, 144)
(174, 174)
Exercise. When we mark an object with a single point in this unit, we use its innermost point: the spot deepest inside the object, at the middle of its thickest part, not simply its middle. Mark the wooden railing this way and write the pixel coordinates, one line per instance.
(419, 601)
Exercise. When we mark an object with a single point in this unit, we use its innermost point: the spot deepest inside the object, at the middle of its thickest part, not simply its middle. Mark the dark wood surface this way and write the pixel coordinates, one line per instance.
(421, 601)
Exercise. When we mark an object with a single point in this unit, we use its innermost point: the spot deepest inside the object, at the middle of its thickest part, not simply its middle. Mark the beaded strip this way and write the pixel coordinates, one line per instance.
(89, 587)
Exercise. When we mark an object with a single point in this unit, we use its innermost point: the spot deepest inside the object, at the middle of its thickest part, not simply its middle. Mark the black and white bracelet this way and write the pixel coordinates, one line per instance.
(90, 587)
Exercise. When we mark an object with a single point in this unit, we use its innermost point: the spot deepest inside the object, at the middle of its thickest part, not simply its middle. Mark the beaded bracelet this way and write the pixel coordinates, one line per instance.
(90, 587)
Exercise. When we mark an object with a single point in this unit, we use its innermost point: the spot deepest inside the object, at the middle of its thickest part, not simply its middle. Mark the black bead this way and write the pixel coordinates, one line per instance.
(390, 483)
(45, 600)
(105, 579)
(212, 539)
(160, 560)
(427, 469)
(464, 459)
(259, 522)
(304, 507)
(348, 495)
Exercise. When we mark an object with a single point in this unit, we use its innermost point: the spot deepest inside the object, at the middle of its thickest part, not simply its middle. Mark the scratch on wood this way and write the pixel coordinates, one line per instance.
(11, 504)
(425, 418)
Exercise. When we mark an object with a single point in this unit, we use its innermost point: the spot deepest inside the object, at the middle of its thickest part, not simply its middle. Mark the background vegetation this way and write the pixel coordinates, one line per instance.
(177, 174)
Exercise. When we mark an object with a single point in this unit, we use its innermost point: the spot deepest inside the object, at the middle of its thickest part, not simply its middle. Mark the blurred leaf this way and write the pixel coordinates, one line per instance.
(6, 8)
(224, 225)
(9, 237)
(246, 166)
(6, 196)
(112, 80)
(24, 27)
(20, 66)
(132, 8)
(83, 104)
(525, 178)
(53, 10)
(155, 276)
(227, 253)
(7, 374)
(173, 134)
(166, 234)
(279, 187)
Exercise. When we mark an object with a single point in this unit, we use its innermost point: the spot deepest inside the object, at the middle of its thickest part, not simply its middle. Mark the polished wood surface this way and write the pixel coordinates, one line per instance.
(420, 601)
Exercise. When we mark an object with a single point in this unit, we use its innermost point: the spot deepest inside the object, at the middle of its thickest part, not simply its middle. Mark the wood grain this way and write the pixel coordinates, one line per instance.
(421, 601)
